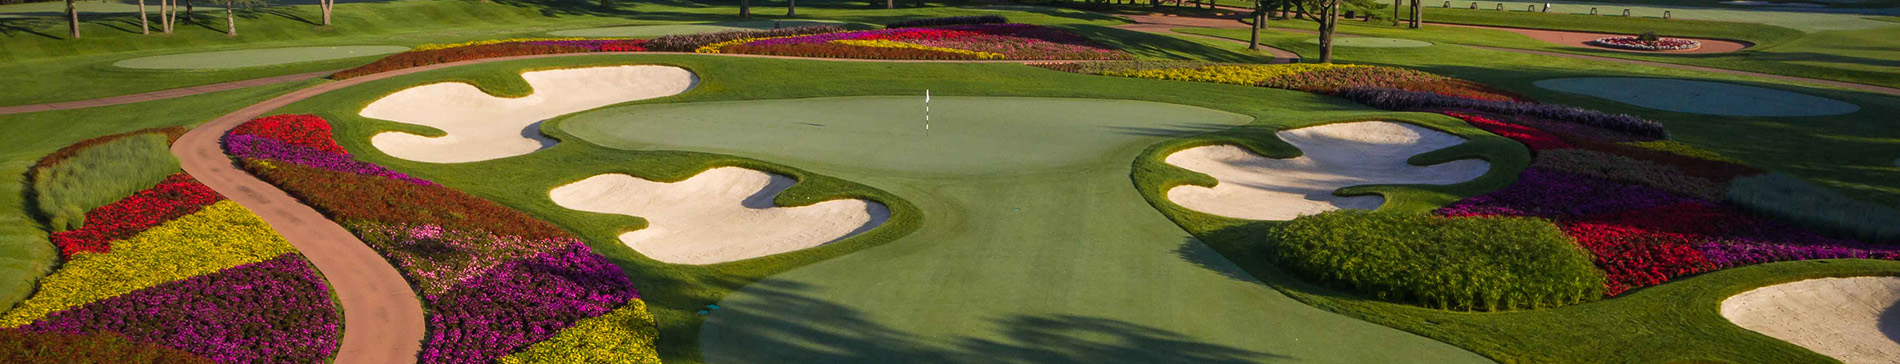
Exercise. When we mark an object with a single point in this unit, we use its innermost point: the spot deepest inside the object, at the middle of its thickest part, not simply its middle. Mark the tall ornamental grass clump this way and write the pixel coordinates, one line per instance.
(98, 175)
(948, 20)
(1467, 264)
(1815, 207)
(692, 42)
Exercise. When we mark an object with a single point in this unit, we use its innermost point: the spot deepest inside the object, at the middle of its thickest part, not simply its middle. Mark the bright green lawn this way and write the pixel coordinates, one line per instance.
(1850, 152)
(255, 57)
(25, 254)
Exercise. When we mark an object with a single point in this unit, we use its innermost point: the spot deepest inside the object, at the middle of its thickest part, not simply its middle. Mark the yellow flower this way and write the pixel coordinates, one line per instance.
(624, 335)
(220, 236)
(884, 43)
(1238, 74)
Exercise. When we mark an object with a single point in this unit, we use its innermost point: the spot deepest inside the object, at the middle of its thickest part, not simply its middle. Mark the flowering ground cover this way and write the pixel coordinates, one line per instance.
(1637, 43)
(175, 273)
(433, 54)
(496, 282)
(21, 346)
(970, 41)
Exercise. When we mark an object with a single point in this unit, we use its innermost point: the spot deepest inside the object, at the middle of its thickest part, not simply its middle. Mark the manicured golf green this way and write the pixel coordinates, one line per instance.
(1371, 42)
(1700, 97)
(666, 29)
(1809, 21)
(1036, 250)
(254, 57)
(967, 136)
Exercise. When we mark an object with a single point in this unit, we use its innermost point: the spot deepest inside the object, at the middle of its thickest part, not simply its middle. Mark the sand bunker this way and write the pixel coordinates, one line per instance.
(721, 215)
(1334, 156)
(1371, 42)
(1700, 97)
(254, 57)
(1855, 320)
(481, 127)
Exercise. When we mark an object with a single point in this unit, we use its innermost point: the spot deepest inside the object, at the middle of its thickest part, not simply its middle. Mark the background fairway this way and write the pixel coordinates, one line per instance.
(255, 57)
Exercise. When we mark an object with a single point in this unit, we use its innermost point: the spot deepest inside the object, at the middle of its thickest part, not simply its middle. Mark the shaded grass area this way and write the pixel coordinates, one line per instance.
(678, 292)
(37, 51)
(25, 253)
(1851, 153)
(99, 175)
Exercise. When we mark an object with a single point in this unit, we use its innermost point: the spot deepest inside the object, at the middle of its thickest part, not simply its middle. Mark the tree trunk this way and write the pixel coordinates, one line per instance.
(230, 21)
(745, 9)
(606, 4)
(1396, 5)
(791, 7)
(1418, 13)
(1328, 20)
(144, 28)
(327, 6)
(72, 18)
(1259, 21)
(190, 16)
(890, 4)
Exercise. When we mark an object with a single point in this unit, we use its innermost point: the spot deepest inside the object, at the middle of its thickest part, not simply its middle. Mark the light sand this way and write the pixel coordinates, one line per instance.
(720, 215)
(1855, 320)
(1335, 155)
(482, 127)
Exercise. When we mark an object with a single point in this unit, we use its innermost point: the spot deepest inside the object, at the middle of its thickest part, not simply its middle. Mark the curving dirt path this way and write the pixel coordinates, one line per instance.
(1582, 40)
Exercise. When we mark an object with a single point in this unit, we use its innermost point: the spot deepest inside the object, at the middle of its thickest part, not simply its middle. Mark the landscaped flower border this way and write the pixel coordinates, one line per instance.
(1662, 44)
(495, 281)
(974, 41)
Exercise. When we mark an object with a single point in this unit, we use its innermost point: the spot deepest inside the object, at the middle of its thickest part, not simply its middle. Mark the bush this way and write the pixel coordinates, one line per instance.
(949, 20)
(692, 42)
(1815, 207)
(177, 196)
(1402, 100)
(98, 175)
(1475, 264)
(20, 346)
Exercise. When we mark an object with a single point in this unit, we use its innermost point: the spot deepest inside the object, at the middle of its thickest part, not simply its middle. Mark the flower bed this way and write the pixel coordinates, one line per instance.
(177, 196)
(21, 346)
(428, 55)
(495, 281)
(980, 41)
(274, 311)
(1660, 44)
(1405, 100)
(948, 20)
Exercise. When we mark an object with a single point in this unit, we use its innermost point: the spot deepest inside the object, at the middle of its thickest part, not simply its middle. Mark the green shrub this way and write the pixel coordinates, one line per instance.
(99, 175)
(1473, 264)
(1816, 208)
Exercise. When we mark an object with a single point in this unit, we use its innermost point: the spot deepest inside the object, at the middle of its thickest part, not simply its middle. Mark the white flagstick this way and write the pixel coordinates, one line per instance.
(926, 111)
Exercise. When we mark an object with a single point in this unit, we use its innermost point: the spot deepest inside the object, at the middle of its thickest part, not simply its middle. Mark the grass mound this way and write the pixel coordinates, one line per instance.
(1817, 208)
(93, 174)
(253, 57)
(1474, 264)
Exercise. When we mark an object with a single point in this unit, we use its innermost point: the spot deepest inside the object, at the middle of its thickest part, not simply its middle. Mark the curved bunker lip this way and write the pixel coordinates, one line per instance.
(1854, 319)
(480, 127)
(1333, 156)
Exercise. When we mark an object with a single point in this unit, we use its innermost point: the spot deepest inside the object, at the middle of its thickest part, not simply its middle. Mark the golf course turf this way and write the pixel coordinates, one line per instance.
(253, 57)
(1700, 97)
(666, 29)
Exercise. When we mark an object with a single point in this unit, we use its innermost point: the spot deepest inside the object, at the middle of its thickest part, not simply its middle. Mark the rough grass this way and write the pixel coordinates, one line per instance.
(1468, 264)
(1817, 208)
(99, 175)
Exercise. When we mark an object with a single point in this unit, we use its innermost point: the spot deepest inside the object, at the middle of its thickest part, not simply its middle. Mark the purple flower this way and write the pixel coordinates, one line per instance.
(256, 147)
(522, 302)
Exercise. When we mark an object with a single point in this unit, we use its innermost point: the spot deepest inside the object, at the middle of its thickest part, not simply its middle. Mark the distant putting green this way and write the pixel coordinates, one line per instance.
(254, 57)
(665, 29)
(1371, 42)
(967, 135)
(1700, 97)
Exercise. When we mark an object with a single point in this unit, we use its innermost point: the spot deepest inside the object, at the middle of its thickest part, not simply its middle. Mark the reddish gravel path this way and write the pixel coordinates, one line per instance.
(1582, 40)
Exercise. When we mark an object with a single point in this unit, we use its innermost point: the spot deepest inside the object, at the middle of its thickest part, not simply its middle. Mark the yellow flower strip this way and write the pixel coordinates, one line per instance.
(885, 43)
(624, 335)
(714, 48)
(217, 237)
(1231, 74)
(432, 46)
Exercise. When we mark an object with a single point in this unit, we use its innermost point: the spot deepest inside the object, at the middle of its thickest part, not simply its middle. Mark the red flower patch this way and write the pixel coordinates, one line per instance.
(178, 195)
(297, 129)
(1531, 137)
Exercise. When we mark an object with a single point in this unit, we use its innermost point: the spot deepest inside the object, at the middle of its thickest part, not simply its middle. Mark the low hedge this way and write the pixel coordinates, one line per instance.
(1472, 264)
(948, 20)
(692, 42)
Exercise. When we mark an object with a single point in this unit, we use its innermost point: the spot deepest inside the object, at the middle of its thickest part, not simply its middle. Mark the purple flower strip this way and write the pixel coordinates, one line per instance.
(256, 147)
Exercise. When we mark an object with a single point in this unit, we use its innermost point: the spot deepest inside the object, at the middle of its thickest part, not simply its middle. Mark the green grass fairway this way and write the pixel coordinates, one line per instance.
(641, 31)
(1371, 42)
(255, 57)
(985, 136)
(1700, 97)
(1034, 248)
(1807, 21)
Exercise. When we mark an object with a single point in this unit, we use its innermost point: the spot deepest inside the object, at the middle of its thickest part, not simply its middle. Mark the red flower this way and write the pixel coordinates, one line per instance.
(178, 195)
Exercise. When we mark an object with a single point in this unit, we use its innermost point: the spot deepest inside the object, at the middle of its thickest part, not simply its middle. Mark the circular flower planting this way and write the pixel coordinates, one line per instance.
(1636, 43)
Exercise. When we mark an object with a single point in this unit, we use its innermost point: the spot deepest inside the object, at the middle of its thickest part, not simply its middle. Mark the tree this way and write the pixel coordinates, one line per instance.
(791, 7)
(1328, 19)
(745, 9)
(144, 28)
(1259, 21)
(230, 16)
(890, 4)
(329, 6)
(72, 17)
